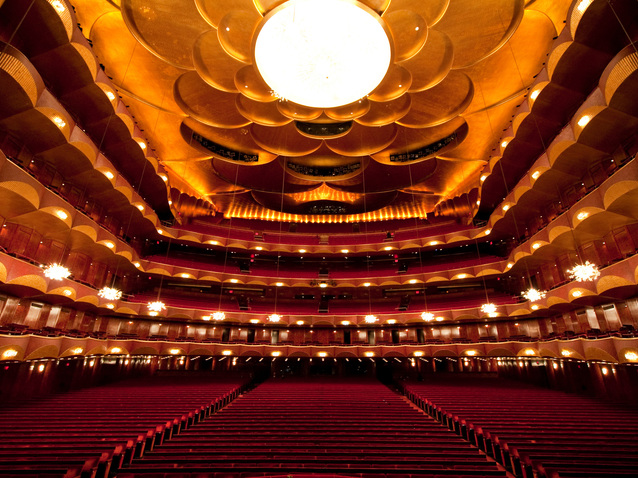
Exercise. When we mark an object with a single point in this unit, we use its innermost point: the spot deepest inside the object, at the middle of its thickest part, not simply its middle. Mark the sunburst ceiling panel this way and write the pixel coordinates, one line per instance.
(456, 73)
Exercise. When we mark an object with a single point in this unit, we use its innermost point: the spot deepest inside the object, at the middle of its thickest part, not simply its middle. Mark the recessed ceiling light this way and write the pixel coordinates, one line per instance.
(536, 174)
(583, 5)
(582, 122)
(61, 214)
(59, 122)
(534, 94)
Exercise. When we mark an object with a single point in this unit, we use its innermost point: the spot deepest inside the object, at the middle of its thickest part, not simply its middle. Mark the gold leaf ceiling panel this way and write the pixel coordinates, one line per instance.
(207, 105)
(147, 20)
(235, 33)
(214, 64)
(409, 32)
(348, 112)
(143, 75)
(213, 11)
(432, 11)
(381, 114)
(433, 62)
(251, 85)
(362, 140)
(265, 114)
(478, 29)
(458, 69)
(440, 103)
(285, 140)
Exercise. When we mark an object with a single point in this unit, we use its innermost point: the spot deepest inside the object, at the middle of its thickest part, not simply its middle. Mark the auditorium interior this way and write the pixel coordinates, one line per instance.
(318, 238)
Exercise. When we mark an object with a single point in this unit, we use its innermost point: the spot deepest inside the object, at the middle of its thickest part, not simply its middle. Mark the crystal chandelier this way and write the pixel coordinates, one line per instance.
(584, 272)
(489, 309)
(274, 318)
(156, 306)
(533, 295)
(56, 272)
(110, 293)
(427, 316)
(218, 316)
(370, 319)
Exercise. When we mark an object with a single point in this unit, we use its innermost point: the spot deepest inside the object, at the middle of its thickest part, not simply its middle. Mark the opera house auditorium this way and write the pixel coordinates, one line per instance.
(318, 238)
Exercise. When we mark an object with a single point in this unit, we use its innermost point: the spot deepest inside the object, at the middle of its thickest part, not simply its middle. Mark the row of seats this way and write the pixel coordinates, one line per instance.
(94, 431)
(535, 432)
(326, 425)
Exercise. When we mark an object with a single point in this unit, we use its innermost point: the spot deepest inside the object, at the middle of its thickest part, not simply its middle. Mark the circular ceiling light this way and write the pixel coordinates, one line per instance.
(322, 54)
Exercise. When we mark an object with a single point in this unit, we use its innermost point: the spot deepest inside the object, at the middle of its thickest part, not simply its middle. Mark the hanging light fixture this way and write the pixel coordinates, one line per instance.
(156, 306)
(584, 272)
(274, 318)
(533, 295)
(370, 319)
(56, 272)
(489, 309)
(427, 316)
(218, 316)
(110, 293)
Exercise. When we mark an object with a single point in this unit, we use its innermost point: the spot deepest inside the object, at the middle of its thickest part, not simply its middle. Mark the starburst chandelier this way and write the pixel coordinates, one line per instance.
(56, 272)
(533, 295)
(110, 293)
(370, 319)
(274, 318)
(427, 316)
(218, 316)
(156, 306)
(584, 272)
(489, 309)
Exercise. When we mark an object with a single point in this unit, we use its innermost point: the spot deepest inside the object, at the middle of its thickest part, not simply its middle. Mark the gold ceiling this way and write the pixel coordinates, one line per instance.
(460, 68)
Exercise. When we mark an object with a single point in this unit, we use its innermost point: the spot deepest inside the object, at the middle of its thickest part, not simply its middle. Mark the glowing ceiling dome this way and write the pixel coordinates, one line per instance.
(323, 53)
